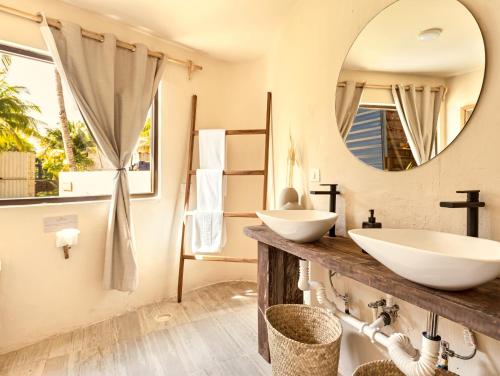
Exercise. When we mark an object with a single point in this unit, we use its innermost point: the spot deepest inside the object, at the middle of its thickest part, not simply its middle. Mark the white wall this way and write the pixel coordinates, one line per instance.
(96, 183)
(42, 294)
(303, 67)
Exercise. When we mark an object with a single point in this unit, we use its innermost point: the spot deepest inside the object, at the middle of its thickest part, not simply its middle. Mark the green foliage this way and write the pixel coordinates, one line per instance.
(144, 144)
(53, 157)
(16, 123)
(13, 140)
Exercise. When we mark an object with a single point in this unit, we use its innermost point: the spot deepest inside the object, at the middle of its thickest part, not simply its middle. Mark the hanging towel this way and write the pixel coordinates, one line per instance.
(207, 231)
(212, 144)
(209, 189)
(208, 227)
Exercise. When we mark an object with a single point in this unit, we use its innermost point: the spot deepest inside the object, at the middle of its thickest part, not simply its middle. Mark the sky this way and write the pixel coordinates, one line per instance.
(39, 80)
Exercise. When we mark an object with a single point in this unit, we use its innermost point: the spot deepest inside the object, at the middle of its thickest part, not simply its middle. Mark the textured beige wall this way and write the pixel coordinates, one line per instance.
(304, 64)
(463, 90)
(42, 294)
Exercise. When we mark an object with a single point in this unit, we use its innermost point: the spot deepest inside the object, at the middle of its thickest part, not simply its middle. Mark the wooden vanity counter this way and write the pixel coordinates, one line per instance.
(278, 268)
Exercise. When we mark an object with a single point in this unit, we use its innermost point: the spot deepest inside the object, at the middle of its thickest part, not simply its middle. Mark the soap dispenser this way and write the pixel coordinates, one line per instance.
(372, 221)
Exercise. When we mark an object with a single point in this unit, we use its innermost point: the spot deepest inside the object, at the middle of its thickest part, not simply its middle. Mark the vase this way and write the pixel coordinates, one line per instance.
(288, 196)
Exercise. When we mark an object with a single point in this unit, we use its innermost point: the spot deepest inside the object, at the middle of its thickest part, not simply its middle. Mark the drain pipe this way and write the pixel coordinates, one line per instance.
(409, 365)
(399, 346)
(306, 284)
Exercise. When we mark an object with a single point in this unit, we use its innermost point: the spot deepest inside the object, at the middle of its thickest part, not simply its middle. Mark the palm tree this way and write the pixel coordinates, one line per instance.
(63, 122)
(16, 123)
(53, 151)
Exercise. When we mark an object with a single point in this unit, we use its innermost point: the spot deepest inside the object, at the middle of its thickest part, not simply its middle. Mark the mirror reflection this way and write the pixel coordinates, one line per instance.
(410, 83)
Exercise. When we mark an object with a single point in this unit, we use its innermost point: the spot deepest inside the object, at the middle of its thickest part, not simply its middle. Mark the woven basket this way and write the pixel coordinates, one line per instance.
(388, 368)
(303, 340)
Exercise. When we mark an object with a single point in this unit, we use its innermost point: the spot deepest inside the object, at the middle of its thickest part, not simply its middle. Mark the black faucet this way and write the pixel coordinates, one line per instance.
(333, 201)
(472, 204)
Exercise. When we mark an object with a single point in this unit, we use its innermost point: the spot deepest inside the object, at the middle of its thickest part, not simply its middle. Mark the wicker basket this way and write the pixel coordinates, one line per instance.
(388, 368)
(303, 340)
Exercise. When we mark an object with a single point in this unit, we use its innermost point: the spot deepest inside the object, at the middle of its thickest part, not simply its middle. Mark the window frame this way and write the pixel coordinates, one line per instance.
(56, 199)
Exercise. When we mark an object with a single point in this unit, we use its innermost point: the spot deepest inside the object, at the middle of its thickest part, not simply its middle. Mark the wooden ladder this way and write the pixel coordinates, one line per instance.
(190, 172)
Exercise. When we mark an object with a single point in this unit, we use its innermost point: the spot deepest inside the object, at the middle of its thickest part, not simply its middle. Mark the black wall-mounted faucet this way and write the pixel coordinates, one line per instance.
(333, 201)
(472, 204)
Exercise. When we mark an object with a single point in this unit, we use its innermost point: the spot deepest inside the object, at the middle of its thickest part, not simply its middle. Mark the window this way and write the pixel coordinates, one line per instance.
(378, 139)
(365, 137)
(47, 153)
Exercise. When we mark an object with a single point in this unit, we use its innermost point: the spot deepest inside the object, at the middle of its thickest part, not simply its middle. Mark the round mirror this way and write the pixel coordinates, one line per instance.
(410, 83)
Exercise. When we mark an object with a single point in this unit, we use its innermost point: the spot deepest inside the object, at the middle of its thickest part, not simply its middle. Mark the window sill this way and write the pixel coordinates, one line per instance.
(42, 201)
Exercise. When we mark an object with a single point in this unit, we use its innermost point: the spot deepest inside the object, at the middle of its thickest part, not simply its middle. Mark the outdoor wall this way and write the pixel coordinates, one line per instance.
(304, 64)
(96, 183)
(17, 174)
(41, 294)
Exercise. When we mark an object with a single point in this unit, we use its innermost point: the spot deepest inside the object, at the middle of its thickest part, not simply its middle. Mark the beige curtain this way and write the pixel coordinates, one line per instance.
(419, 114)
(114, 89)
(346, 105)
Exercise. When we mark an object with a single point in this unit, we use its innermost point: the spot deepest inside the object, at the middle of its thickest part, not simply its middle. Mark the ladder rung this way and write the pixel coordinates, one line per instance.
(241, 132)
(236, 172)
(219, 258)
(240, 214)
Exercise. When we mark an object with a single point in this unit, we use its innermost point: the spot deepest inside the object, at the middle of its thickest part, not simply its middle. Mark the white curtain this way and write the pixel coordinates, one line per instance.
(114, 88)
(419, 115)
(346, 105)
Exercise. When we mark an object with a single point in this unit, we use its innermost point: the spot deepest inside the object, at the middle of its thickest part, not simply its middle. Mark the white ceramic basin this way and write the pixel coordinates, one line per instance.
(301, 226)
(434, 259)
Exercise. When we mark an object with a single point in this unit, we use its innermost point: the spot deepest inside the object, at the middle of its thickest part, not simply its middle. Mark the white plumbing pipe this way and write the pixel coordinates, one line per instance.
(378, 323)
(425, 365)
(373, 333)
(306, 284)
(399, 346)
(304, 276)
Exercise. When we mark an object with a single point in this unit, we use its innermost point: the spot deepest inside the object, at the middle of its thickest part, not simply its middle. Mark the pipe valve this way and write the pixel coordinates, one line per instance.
(391, 311)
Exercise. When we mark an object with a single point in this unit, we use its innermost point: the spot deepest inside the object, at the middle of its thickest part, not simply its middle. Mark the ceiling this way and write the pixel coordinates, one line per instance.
(389, 43)
(231, 30)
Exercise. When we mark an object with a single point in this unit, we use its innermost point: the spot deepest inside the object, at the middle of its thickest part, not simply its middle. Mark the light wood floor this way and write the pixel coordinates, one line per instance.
(213, 332)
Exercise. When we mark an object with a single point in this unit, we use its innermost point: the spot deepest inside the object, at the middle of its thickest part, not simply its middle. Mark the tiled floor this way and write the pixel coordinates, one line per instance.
(213, 332)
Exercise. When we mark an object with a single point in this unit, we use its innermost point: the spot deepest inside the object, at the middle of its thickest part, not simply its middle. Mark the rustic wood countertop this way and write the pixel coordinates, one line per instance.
(477, 309)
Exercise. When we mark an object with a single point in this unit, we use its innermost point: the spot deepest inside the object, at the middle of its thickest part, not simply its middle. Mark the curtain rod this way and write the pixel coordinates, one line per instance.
(386, 87)
(100, 37)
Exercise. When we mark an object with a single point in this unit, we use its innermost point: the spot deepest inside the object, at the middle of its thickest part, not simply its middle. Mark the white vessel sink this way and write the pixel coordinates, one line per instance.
(434, 259)
(301, 226)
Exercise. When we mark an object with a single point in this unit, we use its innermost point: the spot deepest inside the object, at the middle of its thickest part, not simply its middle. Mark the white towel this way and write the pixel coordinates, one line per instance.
(207, 236)
(209, 189)
(208, 227)
(212, 143)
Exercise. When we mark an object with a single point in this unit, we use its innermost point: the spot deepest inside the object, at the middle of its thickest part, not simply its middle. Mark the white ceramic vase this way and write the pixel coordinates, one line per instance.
(289, 199)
